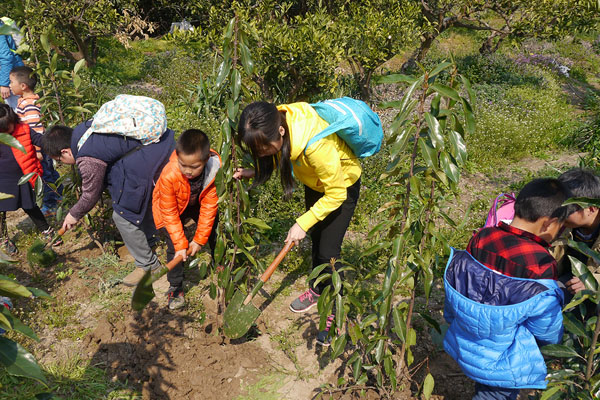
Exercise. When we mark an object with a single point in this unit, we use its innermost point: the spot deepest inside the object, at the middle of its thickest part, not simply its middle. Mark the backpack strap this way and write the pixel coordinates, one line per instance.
(333, 128)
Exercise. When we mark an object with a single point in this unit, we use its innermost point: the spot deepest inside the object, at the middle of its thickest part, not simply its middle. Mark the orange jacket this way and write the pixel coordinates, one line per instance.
(27, 161)
(172, 194)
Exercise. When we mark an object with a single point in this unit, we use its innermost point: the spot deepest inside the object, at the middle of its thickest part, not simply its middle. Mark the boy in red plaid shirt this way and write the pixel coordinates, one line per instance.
(520, 249)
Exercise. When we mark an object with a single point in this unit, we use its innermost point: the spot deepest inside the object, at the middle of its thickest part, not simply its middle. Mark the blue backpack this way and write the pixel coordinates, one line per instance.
(353, 121)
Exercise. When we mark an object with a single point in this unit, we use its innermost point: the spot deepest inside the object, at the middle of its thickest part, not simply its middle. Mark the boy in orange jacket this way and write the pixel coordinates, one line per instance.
(186, 189)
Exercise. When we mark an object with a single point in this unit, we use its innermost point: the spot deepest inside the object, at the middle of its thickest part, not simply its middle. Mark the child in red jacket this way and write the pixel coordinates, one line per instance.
(186, 190)
(14, 164)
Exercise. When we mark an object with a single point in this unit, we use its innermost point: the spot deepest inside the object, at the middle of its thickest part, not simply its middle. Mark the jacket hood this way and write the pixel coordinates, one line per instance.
(302, 124)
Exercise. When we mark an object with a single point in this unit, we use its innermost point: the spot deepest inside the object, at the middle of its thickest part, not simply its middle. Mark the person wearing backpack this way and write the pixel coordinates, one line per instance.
(128, 169)
(8, 60)
(278, 138)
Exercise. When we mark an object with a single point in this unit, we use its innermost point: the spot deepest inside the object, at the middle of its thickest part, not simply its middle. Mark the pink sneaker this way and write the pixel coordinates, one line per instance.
(305, 302)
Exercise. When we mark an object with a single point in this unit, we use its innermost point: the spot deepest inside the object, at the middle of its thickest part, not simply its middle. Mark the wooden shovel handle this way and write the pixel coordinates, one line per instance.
(171, 264)
(269, 271)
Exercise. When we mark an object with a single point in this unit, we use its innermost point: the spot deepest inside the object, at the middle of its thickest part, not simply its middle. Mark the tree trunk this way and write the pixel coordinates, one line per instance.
(420, 53)
(488, 47)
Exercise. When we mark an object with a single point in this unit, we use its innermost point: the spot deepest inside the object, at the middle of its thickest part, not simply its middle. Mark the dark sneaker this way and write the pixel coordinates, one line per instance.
(323, 337)
(176, 298)
(305, 302)
(49, 235)
(9, 247)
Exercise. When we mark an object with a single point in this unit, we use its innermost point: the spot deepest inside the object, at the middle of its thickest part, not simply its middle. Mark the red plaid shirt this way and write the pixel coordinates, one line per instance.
(513, 252)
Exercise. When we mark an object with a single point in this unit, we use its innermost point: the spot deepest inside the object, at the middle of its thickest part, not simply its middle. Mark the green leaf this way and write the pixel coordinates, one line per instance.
(450, 169)
(259, 223)
(584, 249)
(368, 321)
(236, 83)
(25, 178)
(4, 196)
(9, 288)
(458, 148)
(467, 85)
(429, 154)
(573, 325)
(80, 64)
(17, 325)
(393, 78)
(581, 271)
(18, 361)
(246, 59)
(10, 140)
(339, 346)
(357, 368)
(548, 393)
(373, 249)
(445, 91)
(469, 117)
(583, 202)
(316, 272)
(45, 43)
(428, 386)
(39, 293)
(439, 68)
(435, 133)
(432, 322)
(224, 69)
(355, 333)
(337, 282)
(559, 351)
(379, 350)
(79, 109)
(229, 29)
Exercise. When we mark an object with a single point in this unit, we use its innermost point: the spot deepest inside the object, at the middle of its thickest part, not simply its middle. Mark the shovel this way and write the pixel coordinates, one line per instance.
(240, 313)
(144, 292)
(40, 254)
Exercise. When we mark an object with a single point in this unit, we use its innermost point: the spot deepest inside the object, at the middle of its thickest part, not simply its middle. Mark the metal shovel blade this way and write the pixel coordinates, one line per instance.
(238, 318)
(143, 292)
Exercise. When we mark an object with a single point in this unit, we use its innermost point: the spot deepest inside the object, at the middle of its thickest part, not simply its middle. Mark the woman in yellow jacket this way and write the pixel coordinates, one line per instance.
(277, 138)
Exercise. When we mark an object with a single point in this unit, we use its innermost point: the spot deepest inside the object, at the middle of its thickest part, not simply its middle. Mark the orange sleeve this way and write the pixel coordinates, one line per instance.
(208, 212)
(167, 203)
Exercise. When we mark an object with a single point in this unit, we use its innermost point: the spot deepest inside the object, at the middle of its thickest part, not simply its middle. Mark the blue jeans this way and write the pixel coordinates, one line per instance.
(50, 175)
(484, 392)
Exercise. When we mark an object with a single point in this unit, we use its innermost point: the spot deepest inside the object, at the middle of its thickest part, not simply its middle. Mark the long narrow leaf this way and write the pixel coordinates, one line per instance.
(12, 142)
(581, 271)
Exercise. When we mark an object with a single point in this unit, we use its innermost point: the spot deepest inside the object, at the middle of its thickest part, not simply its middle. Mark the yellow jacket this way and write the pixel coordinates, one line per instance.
(327, 166)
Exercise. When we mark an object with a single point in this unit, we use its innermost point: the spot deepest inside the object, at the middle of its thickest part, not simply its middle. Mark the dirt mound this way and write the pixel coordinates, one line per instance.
(170, 356)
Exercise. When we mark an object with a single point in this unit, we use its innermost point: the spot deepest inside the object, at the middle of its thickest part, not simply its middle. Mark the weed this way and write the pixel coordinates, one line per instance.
(265, 389)
(287, 342)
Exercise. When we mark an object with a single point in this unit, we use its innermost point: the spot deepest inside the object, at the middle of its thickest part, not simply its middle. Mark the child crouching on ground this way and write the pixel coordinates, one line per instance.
(14, 164)
(186, 190)
(502, 298)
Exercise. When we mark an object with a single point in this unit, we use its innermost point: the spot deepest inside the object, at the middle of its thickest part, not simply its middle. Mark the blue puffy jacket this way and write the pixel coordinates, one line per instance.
(8, 58)
(497, 323)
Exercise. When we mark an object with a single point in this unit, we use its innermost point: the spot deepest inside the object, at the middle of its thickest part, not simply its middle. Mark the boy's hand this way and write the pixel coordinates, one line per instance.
(295, 234)
(69, 222)
(245, 173)
(574, 285)
(194, 248)
(5, 92)
(182, 253)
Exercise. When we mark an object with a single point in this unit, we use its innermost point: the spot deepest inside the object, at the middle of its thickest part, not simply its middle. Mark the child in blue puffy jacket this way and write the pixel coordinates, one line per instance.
(502, 298)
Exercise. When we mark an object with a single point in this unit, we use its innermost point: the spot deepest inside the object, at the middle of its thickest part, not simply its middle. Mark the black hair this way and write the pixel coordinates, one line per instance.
(581, 182)
(543, 197)
(56, 139)
(193, 141)
(7, 117)
(25, 75)
(259, 127)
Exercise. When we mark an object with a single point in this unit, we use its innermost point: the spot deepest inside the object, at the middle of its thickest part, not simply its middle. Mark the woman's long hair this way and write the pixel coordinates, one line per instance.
(258, 128)
(7, 117)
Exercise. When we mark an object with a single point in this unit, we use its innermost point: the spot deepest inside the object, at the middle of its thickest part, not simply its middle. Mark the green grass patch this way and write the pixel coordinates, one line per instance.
(72, 379)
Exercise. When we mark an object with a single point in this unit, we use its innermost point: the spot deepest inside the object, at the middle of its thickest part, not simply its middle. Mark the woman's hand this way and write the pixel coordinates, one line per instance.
(245, 173)
(5, 92)
(69, 222)
(295, 234)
